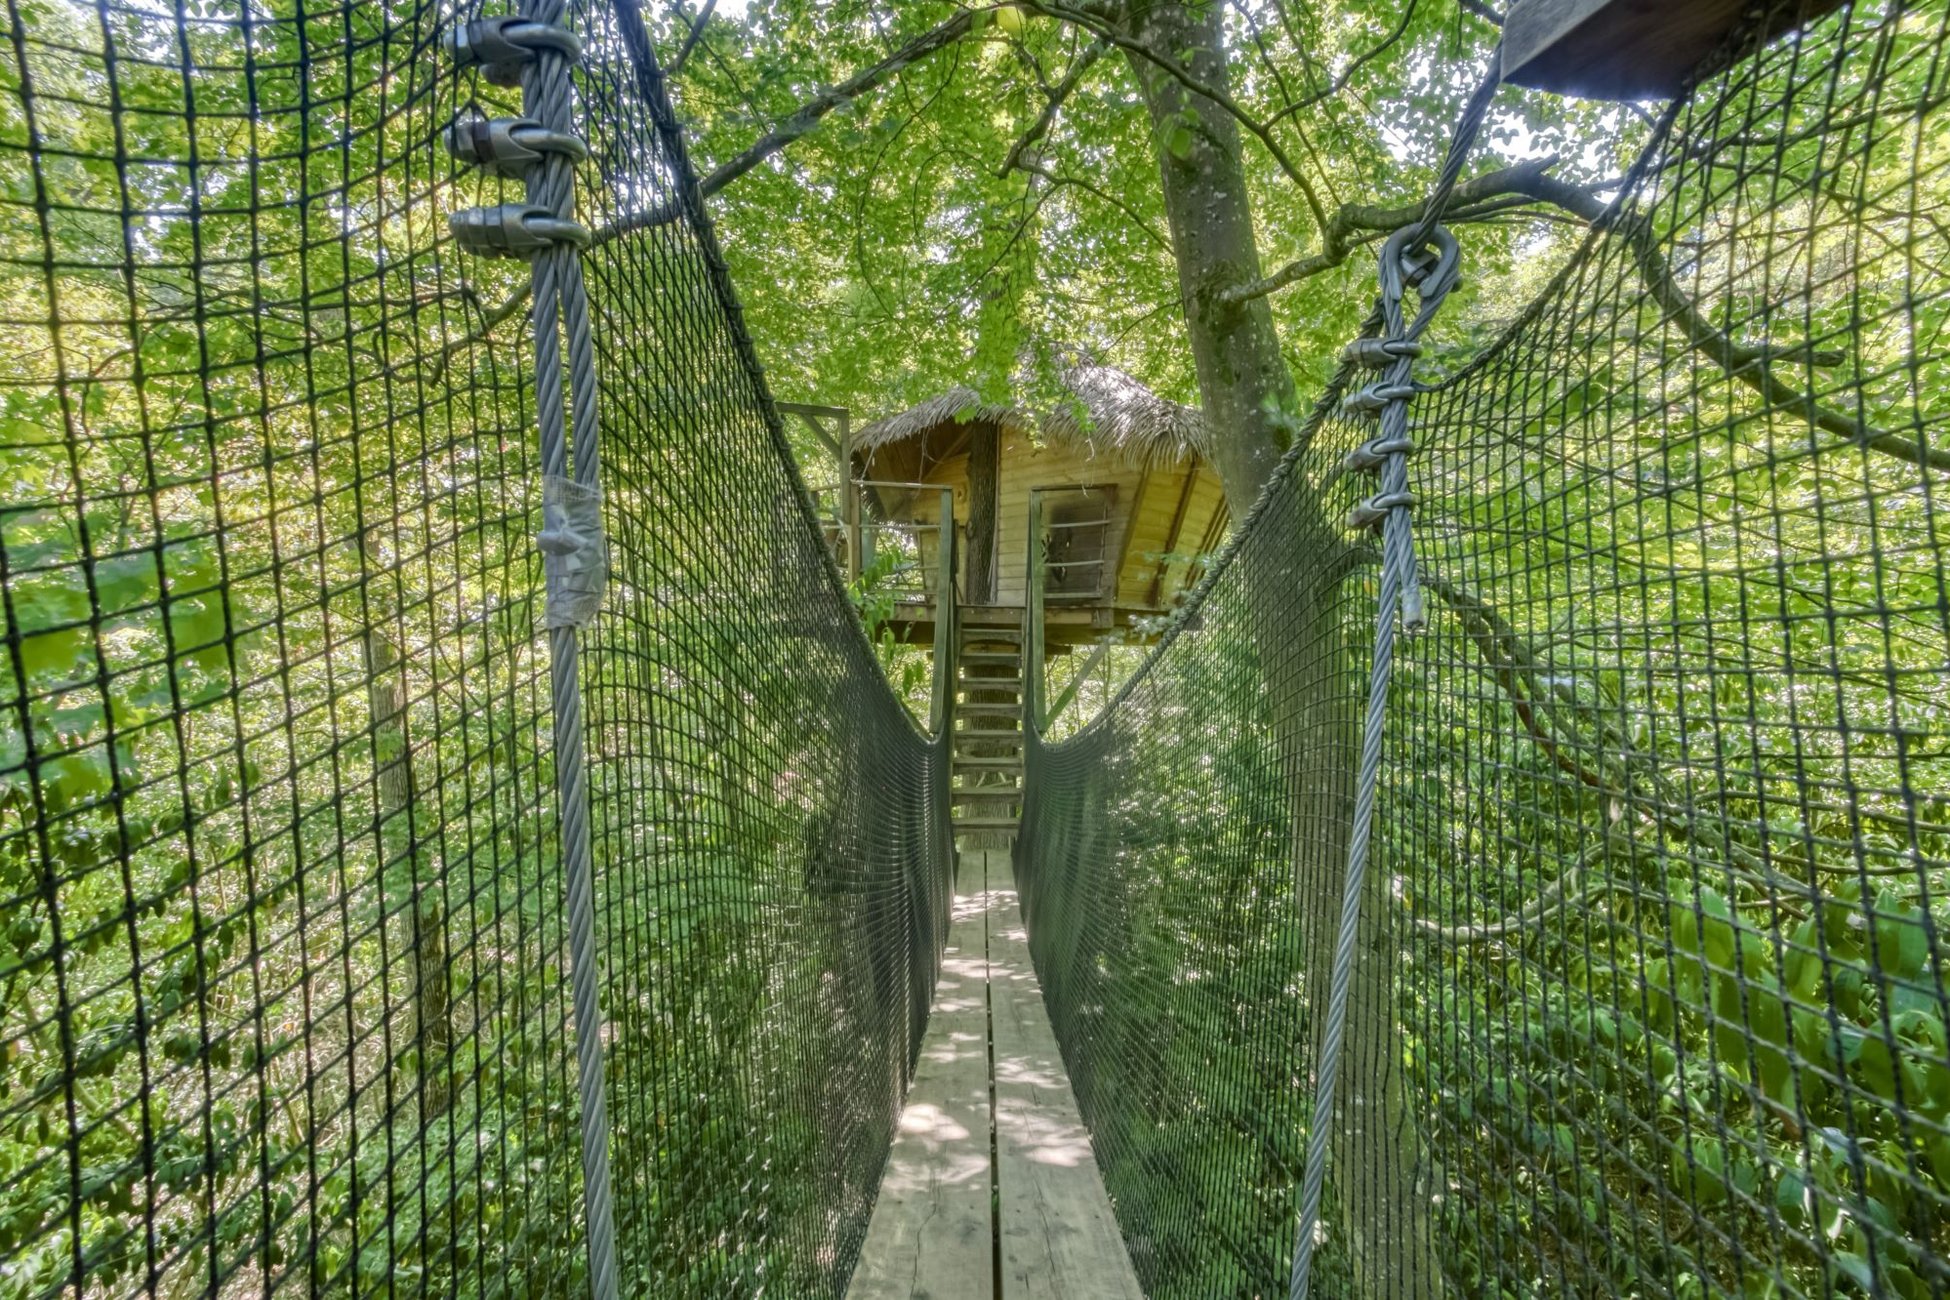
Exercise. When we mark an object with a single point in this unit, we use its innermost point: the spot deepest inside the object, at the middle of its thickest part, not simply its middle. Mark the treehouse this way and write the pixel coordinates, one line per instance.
(1117, 475)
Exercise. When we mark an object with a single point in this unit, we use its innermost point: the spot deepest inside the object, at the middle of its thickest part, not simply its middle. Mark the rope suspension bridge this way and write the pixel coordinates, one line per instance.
(456, 837)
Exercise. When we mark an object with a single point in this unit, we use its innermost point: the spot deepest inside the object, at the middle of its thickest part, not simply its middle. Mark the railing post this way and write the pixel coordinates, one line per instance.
(849, 503)
(1032, 640)
(942, 716)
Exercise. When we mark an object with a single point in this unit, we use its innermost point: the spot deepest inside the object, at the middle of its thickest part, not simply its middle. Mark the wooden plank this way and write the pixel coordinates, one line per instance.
(1171, 537)
(932, 1231)
(1059, 1239)
(1123, 526)
(936, 1233)
(1625, 49)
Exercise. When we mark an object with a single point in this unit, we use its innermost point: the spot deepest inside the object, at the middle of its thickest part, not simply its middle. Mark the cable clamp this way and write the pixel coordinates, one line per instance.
(1370, 401)
(1374, 511)
(508, 146)
(514, 230)
(1432, 269)
(575, 553)
(1379, 354)
(1371, 455)
(500, 46)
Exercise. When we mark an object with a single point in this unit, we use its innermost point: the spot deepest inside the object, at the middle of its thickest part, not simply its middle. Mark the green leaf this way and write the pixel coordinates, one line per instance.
(1699, 1172)
(1902, 944)
(1794, 1197)
(1856, 1269)
(1802, 963)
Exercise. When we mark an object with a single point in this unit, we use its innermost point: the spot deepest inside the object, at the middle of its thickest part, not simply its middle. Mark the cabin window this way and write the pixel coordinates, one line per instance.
(1076, 542)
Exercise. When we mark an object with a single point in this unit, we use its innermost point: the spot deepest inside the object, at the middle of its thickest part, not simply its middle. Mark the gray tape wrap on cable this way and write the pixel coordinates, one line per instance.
(575, 553)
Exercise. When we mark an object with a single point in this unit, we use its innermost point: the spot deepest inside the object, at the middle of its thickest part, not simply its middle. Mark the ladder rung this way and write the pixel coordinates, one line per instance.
(969, 709)
(991, 634)
(992, 657)
(988, 764)
(992, 684)
(991, 793)
(986, 823)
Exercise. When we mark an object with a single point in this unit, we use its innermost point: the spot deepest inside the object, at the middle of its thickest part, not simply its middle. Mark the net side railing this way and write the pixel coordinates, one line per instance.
(284, 988)
(1650, 998)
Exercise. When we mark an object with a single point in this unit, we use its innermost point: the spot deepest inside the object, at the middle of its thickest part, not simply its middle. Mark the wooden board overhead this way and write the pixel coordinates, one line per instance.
(1626, 49)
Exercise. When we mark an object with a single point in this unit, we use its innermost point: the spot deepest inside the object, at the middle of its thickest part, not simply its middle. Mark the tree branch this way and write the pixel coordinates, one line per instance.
(1039, 129)
(1752, 366)
(1338, 234)
(800, 123)
(1103, 31)
(1058, 179)
(809, 114)
(1630, 779)
(691, 40)
(1509, 663)
(1340, 83)
(1547, 905)
(508, 307)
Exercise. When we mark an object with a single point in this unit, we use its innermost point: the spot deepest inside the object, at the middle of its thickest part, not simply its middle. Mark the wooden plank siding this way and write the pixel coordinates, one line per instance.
(1155, 511)
(1141, 516)
(1153, 539)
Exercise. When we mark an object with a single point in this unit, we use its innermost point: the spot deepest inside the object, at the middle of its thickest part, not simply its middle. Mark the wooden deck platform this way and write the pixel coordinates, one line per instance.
(991, 1191)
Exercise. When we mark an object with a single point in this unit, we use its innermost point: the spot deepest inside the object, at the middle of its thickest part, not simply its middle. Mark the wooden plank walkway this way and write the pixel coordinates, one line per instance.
(991, 1191)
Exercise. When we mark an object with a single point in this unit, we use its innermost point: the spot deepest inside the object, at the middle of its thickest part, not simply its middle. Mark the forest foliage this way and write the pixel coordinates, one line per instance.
(283, 982)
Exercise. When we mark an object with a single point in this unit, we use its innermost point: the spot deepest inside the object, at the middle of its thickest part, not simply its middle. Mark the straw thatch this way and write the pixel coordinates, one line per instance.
(1106, 412)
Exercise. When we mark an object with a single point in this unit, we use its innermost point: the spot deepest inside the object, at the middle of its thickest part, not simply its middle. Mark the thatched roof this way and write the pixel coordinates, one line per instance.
(1107, 413)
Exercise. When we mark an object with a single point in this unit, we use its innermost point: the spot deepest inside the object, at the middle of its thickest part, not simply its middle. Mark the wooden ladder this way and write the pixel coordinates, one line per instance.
(987, 757)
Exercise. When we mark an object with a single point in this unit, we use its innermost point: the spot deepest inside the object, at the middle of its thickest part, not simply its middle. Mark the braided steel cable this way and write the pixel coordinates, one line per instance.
(559, 295)
(1402, 264)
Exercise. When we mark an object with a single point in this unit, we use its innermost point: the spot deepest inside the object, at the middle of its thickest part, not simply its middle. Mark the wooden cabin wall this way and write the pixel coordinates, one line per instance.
(1148, 503)
(1025, 467)
(1176, 501)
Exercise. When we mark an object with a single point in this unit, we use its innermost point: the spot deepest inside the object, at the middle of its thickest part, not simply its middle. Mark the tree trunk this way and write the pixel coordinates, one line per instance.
(1249, 405)
(984, 476)
(426, 916)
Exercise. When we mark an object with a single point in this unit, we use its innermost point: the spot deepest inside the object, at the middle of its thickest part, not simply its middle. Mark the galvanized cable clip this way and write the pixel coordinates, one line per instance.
(1372, 454)
(1428, 263)
(1373, 512)
(514, 230)
(1373, 399)
(1379, 354)
(508, 146)
(500, 46)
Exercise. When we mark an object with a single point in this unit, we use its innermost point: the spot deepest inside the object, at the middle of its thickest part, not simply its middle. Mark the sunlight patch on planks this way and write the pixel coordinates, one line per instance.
(932, 1230)
(1059, 1238)
(991, 1171)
